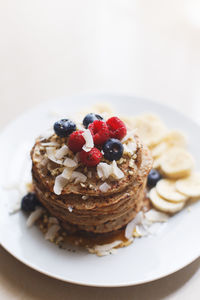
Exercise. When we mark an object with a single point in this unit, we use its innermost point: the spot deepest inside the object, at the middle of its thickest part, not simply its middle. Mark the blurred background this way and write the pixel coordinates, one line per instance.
(147, 48)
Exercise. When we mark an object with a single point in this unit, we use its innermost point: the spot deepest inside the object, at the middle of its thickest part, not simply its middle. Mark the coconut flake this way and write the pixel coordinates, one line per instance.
(70, 209)
(51, 151)
(67, 173)
(89, 143)
(116, 172)
(70, 163)
(52, 231)
(141, 230)
(104, 187)
(78, 176)
(34, 216)
(50, 144)
(59, 184)
(156, 216)
(131, 147)
(102, 250)
(104, 170)
(131, 225)
(60, 153)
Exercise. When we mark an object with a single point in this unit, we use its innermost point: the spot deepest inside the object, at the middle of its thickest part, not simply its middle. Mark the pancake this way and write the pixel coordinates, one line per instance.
(82, 208)
(103, 223)
(91, 187)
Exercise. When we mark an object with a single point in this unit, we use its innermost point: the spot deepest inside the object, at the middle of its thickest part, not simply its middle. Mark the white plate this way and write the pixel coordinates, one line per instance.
(176, 245)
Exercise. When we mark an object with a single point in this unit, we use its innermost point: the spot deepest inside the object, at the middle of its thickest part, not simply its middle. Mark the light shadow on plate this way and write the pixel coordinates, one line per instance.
(22, 280)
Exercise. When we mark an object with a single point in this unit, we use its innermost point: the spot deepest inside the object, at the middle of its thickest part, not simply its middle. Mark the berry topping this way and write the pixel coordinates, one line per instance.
(100, 132)
(64, 127)
(90, 118)
(153, 177)
(76, 141)
(113, 149)
(29, 202)
(91, 158)
(117, 128)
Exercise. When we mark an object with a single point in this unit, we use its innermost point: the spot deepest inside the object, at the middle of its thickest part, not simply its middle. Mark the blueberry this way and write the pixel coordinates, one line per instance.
(64, 127)
(113, 149)
(90, 118)
(29, 202)
(153, 177)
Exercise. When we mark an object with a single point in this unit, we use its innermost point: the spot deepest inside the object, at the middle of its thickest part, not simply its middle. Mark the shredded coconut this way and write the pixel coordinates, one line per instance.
(70, 209)
(51, 233)
(67, 172)
(70, 163)
(131, 148)
(105, 170)
(104, 187)
(131, 225)
(116, 172)
(34, 216)
(78, 176)
(59, 184)
(102, 250)
(143, 224)
(50, 144)
(89, 143)
(60, 153)
(51, 151)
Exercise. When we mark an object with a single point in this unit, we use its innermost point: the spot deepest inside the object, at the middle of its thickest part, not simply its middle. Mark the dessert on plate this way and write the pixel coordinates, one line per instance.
(91, 179)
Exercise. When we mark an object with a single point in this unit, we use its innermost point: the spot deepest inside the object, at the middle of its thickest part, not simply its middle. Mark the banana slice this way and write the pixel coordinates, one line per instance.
(159, 149)
(167, 189)
(103, 107)
(127, 120)
(189, 186)
(150, 128)
(177, 163)
(163, 205)
(175, 138)
(157, 163)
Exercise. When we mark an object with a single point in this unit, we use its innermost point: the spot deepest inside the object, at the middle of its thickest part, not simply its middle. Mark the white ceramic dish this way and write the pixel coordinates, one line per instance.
(149, 258)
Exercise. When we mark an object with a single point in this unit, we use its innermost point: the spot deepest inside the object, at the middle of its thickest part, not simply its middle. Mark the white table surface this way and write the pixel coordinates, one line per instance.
(49, 49)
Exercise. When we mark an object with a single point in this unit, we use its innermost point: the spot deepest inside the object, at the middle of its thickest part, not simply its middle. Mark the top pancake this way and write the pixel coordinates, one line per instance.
(46, 173)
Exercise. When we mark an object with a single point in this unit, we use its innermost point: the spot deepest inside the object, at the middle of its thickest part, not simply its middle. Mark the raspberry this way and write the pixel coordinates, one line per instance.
(76, 141)
(117, 128)
(91, 158)
(100, 132)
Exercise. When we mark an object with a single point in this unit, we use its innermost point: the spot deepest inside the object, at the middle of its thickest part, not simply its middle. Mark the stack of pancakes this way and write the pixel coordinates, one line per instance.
(85, 207)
